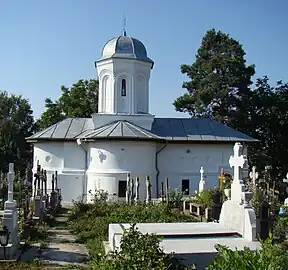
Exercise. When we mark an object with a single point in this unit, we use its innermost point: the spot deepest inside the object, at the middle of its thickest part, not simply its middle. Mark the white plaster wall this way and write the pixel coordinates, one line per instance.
(68, 159)
(183, 161)
(110, 73)
(109, 162)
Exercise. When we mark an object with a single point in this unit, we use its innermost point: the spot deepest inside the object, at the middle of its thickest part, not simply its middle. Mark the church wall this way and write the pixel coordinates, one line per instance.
(68, 159)
(183, 161)
(109, 163)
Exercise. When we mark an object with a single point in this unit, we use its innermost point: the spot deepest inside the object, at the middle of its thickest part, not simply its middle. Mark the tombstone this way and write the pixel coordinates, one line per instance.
(10, 215)
(265, 221)
(253, 176)
(53, 195)
(131, 190)
(167, 190)
(202, 182)
(162, 192)
(235, 214)
(38, 204)
(137, 187)
(128, 188)
(237, 162)
(217, 205)
(148, 189)
(285, 180)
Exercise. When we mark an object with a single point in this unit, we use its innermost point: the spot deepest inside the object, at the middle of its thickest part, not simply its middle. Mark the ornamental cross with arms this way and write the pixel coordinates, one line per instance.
(254, 175)
(237, 161)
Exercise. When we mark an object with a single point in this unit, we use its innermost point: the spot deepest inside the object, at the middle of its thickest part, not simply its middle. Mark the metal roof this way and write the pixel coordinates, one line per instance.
(125, 47)
(119, 129)
(196, 129)
(170, 129)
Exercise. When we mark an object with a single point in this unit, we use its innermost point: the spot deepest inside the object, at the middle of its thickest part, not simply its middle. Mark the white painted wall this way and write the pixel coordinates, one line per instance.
(183, 161)
(109, 162)
(68, 159)
(137, 75)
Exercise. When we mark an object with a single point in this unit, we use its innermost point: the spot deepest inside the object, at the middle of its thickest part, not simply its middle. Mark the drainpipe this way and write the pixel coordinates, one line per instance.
(157, 170)
(79, 142)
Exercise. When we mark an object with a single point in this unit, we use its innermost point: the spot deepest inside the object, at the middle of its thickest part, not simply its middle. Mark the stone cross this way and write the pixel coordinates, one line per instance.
(254, 176)
(53, 182)
(285, 180)
(127, 188)
(10, 178)
(237, 161)
(148, 189)
(131, 190)
(202, 180)
(137, 185)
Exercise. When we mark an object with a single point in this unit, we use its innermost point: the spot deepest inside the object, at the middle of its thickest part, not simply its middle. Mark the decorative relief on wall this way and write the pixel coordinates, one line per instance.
(102, 156)
(47, 159)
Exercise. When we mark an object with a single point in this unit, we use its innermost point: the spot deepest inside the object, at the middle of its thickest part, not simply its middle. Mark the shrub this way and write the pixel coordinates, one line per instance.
(137, 251)
(268, 258)
(90, 221)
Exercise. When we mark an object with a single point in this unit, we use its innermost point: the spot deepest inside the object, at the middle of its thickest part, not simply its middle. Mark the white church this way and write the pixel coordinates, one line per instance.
(123, 137)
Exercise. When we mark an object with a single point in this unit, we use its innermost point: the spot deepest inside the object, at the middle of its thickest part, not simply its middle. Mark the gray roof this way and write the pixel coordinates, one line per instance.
(170, 129)
(119, 129)
(125, 47)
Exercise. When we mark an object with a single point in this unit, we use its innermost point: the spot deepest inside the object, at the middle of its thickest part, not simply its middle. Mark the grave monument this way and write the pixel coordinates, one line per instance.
(194, 242)
(10, 218)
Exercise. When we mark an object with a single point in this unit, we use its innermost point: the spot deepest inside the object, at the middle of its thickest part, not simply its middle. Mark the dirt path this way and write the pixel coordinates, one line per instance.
(61, 249)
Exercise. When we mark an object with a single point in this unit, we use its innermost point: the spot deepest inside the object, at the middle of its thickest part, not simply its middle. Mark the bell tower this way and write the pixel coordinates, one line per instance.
(124, 72)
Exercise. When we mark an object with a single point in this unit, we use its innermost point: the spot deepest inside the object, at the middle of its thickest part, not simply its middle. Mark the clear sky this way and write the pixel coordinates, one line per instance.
(46, 44)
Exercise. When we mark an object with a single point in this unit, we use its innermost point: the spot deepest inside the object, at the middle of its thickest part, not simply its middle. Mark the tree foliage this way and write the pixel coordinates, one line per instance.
(219, 78)
(16, 123)
(220, 87)
(81, 100)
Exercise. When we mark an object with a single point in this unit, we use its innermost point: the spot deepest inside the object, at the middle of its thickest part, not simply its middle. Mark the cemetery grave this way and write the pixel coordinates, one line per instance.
(195, 242)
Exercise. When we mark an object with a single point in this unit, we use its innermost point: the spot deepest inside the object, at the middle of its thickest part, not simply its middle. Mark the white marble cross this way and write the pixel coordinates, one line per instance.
(285, 180)
(127, 187)
(202, 180)
(137, 189)
(10, 178)
(254, 175)
(237, 161)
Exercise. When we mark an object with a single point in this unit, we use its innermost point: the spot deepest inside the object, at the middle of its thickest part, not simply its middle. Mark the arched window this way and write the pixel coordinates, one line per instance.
(123, 88)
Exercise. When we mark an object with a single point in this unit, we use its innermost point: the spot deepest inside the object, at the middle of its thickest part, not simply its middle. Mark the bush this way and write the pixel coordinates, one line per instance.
(270, 257)
(205, 198)
(90, 221)
(138, 251)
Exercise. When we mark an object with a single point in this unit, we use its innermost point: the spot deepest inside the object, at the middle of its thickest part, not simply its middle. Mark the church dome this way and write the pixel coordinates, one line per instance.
(125, 47)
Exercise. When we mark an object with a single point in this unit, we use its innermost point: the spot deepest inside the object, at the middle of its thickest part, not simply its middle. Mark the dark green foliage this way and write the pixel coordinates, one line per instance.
(16, 123)
(81, 100)
(219, 77)
(90, 221)
(271, 257)
(219, 87)
(138, 251)
(205, 198)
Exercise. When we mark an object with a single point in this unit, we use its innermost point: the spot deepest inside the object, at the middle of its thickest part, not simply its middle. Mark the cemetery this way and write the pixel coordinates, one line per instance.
(99, 182)
(237, 215)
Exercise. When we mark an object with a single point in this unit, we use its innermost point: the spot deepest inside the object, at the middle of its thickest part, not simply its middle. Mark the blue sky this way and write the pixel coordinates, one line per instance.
(46, 44)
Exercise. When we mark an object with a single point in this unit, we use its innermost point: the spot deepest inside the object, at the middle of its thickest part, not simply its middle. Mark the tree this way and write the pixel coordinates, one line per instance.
(81, 100)
(269, 124)
(219, 78)
(16, 123)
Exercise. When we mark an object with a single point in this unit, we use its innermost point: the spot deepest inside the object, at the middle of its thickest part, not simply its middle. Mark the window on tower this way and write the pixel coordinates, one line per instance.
(123, 88)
